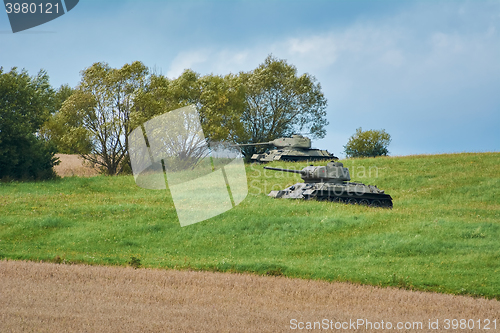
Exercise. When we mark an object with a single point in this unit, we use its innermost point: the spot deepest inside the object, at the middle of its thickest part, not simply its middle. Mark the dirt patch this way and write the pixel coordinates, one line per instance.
(46, 297)
(74, 165)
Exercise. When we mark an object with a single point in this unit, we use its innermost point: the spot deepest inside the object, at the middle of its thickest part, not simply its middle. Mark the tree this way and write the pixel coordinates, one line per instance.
(160, 95)
(25, 103)
(55, 129)
(219, 101)
(222, 103)
(370, 143)
(279, 103)
(98, 114)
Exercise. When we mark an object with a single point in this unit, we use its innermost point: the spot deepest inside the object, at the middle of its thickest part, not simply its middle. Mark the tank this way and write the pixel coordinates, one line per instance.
(296, 148)
(331, 182)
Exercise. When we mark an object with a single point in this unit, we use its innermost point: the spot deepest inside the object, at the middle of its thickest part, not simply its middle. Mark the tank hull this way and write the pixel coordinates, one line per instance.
(350, 193)
(293, 155)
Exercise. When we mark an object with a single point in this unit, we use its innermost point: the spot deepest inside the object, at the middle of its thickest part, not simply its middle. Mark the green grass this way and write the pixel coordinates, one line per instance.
(442, 235)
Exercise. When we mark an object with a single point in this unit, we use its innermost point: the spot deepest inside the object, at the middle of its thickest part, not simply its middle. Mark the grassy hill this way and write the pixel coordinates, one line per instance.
(442, 235)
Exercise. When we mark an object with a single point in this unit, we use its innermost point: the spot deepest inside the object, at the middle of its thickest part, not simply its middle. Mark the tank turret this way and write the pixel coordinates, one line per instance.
(295, 148)
(331, 182)
(296, 141)
(333, 172)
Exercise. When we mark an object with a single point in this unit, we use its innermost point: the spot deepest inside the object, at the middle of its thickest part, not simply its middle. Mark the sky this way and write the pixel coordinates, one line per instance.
(428, 72)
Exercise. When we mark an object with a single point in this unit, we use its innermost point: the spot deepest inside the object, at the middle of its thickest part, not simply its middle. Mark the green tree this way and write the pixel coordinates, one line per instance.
(279, 103)
(98, 114)
(55, 129)
(25, 104)
(370, 143)
(222, 103)
(219, 100)
(160, 95)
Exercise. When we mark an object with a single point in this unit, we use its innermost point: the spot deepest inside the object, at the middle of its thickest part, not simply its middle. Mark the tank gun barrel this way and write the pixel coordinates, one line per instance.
(253, 144)
(286, 170)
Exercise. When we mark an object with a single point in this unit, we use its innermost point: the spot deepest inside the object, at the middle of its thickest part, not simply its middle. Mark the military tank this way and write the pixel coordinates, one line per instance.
(331, 182)
(296, 148)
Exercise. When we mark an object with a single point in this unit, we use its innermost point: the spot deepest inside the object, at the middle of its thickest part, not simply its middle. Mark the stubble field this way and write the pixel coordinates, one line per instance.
(74, 165)
(46, 297)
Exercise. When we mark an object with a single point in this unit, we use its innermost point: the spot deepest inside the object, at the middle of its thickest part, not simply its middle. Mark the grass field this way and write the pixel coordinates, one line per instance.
(442, 235)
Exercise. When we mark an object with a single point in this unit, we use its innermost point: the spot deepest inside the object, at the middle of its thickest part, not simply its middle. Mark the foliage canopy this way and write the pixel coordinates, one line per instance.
(280, 103)
(95, 119)
(256, 106)
(25, 104)
(370, 143)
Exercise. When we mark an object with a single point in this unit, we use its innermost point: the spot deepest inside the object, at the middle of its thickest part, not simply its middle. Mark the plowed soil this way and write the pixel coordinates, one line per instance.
(45, 297)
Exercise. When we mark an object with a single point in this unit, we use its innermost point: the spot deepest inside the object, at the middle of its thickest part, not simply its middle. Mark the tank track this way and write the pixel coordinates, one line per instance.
(384, 201)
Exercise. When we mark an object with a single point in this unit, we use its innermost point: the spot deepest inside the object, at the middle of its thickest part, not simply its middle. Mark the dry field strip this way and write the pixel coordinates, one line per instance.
(73, 165)
(47, 297)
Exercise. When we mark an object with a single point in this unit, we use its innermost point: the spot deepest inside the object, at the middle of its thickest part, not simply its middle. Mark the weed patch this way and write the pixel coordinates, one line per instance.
(135, 262)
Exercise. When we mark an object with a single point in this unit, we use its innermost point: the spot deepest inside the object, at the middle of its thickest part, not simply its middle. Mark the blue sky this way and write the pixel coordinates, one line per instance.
(428, 72)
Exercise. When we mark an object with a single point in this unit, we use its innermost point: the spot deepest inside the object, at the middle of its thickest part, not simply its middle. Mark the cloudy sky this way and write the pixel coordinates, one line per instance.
(428, 72)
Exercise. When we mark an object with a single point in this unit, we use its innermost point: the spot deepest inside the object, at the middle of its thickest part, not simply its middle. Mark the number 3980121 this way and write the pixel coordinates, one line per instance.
(485, 324)
(32, 8)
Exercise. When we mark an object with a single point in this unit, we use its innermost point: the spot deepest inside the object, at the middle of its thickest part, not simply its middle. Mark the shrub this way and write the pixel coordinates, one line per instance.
(25, 103)
(370, 143)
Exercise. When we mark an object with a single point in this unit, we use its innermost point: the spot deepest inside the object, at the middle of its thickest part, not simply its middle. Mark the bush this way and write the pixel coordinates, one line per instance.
(25, 103)
(370, 143)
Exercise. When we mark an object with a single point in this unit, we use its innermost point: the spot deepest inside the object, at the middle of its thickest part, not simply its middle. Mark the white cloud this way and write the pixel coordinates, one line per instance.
(185, 60)
(314, 53)
(320, 50)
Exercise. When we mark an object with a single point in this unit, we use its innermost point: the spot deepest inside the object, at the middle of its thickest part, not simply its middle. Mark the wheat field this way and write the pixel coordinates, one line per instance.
(74, 165)
(48, 297)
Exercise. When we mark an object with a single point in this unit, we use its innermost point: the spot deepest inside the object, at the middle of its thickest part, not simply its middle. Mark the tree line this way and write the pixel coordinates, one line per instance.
(95, 118)
(270, 101)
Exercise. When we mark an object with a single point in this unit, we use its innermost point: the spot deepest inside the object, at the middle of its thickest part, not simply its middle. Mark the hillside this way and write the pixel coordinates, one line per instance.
(441, 235)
